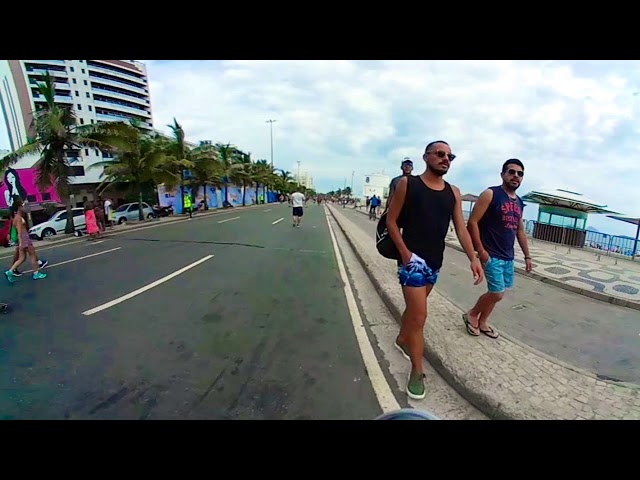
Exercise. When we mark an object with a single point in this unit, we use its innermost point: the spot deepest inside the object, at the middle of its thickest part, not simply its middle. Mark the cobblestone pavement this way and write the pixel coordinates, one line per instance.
(503, 378)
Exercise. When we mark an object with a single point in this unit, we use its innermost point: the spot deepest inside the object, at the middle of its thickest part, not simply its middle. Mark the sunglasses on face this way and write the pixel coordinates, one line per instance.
(511, 171)
(442, 154)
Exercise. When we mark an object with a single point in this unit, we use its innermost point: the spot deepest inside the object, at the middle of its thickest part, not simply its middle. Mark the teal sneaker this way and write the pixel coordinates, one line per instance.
(9, 275)
(39, 275)
(415, 386)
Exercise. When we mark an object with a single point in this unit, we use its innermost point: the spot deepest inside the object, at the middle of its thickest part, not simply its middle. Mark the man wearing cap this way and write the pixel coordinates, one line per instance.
(407, 168)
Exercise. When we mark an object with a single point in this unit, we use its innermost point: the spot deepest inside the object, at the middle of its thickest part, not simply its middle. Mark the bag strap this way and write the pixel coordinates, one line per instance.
(406, 195)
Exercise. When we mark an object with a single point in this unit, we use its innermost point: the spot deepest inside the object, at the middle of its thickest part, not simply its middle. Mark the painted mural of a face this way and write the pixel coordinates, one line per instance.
(14, 187)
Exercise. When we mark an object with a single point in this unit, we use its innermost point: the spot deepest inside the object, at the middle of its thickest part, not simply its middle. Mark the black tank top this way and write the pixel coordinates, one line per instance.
(426, 220)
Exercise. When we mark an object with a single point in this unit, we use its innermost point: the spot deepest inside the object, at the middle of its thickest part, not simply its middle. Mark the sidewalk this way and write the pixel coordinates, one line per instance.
(504, 378)
(579, 271)
(138, 224)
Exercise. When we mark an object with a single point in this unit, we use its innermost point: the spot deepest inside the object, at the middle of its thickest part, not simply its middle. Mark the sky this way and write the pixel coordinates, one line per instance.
(573, 124)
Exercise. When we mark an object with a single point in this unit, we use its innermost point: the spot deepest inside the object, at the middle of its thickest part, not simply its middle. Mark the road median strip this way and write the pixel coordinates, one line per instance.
(503, 378)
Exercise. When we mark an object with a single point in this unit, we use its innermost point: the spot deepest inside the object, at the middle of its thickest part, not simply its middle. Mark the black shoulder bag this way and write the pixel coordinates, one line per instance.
(384, 243)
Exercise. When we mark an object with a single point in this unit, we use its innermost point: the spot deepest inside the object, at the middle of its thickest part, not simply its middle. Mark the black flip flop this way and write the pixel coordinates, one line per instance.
(488, 332)
(465, 317)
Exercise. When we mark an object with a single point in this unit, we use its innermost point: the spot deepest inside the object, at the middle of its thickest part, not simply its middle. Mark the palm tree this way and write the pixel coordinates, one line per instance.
(178, 151)
(285, 182)
(55, 134)
(144, 160)
(262, 174)
(242, 173)
(227, 156)
(206, 170)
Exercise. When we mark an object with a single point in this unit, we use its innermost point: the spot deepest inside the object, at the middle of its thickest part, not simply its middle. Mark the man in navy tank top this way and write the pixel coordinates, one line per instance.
(494, 225)
(424, 206)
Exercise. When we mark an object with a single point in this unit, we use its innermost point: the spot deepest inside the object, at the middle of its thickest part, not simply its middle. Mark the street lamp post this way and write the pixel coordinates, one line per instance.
(298, 173)
(270, 122)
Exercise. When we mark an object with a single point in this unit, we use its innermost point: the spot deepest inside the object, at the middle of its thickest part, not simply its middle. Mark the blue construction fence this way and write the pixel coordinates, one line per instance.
(214, 196)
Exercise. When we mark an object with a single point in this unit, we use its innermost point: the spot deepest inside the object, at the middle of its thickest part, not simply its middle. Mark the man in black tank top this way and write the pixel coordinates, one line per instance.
(424, 213)
(494, 224)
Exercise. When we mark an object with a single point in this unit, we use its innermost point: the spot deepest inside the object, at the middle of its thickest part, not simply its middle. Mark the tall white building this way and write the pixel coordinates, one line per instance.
(305, 180)
(98, 91)
(376, 184)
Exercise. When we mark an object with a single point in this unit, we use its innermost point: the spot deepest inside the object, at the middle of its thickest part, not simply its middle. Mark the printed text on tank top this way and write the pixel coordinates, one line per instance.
(499, 225)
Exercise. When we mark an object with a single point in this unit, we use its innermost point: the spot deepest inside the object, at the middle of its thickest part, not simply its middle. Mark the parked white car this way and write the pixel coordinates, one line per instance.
(129, 211)
(57, 223)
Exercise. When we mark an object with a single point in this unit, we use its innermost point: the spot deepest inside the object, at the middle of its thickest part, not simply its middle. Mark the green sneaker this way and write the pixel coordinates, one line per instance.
(415, 386)
(39, 275)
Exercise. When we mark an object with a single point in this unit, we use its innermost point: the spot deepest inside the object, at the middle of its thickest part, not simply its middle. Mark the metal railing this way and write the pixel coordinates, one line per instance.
(603, 243)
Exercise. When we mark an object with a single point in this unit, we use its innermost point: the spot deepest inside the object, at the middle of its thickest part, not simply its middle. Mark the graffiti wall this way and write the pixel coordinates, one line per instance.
(215, 197)
(173, 198)
(23, 182)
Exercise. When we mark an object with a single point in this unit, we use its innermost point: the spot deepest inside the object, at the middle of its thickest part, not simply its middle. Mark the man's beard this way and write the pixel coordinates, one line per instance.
(439, 173)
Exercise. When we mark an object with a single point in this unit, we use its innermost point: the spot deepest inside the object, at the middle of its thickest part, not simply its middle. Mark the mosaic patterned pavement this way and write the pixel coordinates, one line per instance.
(586, 269)
(581, 268)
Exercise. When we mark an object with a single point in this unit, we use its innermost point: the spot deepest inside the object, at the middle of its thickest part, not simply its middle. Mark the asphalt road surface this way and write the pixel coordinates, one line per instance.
(259, 329)
(581, 331)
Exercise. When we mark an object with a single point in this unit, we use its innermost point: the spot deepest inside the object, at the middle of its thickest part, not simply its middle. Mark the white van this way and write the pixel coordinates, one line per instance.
(57, 223)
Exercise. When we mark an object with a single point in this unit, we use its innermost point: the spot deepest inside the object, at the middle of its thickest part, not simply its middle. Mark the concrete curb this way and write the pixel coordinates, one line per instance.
(68, 237)
(603, 297)
(503, 378)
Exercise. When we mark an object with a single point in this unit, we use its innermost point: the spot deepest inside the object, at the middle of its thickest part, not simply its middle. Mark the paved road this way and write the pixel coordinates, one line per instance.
(261, 330)
(578, 330)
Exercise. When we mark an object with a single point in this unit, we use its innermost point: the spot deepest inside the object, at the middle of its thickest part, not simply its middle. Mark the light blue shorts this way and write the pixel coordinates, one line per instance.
(499, 274)
(417, 273)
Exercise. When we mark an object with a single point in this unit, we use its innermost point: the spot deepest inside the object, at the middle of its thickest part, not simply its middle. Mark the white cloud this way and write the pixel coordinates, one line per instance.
(571, 123)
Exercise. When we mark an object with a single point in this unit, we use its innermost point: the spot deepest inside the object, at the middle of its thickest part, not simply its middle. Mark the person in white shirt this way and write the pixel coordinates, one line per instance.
(297, 202)
(107, 211)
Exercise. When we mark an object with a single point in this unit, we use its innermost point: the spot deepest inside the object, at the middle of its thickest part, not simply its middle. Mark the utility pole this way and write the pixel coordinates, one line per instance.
(298, 173)
(271, 128)
(352, 174)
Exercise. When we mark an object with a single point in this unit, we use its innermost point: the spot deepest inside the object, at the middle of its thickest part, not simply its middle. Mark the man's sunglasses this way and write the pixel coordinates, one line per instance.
(442, 154)
(511, 171)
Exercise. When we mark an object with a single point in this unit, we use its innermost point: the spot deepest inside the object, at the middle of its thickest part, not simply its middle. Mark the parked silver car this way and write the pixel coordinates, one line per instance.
(129, 211)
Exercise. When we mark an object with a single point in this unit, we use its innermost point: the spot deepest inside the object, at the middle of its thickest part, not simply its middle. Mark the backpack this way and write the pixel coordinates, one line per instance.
(384, 243)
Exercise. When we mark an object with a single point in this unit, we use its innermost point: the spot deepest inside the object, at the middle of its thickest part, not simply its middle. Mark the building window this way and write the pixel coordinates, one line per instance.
(83, 70)
(97, 153)
(79, 107)
(76, 171)
(92, 120)
(90, 108)
(82, 121)
(46, 196)
(88, 94)
(71, 69)
(77, 93)
(74, 80)
(32, 198)
(85, 82)
(86, 152)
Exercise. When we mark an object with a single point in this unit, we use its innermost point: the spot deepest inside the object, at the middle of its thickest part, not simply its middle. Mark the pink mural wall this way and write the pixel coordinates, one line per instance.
(23, 182)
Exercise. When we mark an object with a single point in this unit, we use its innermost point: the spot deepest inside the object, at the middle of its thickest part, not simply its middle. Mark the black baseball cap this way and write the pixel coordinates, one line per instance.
(406, 161)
